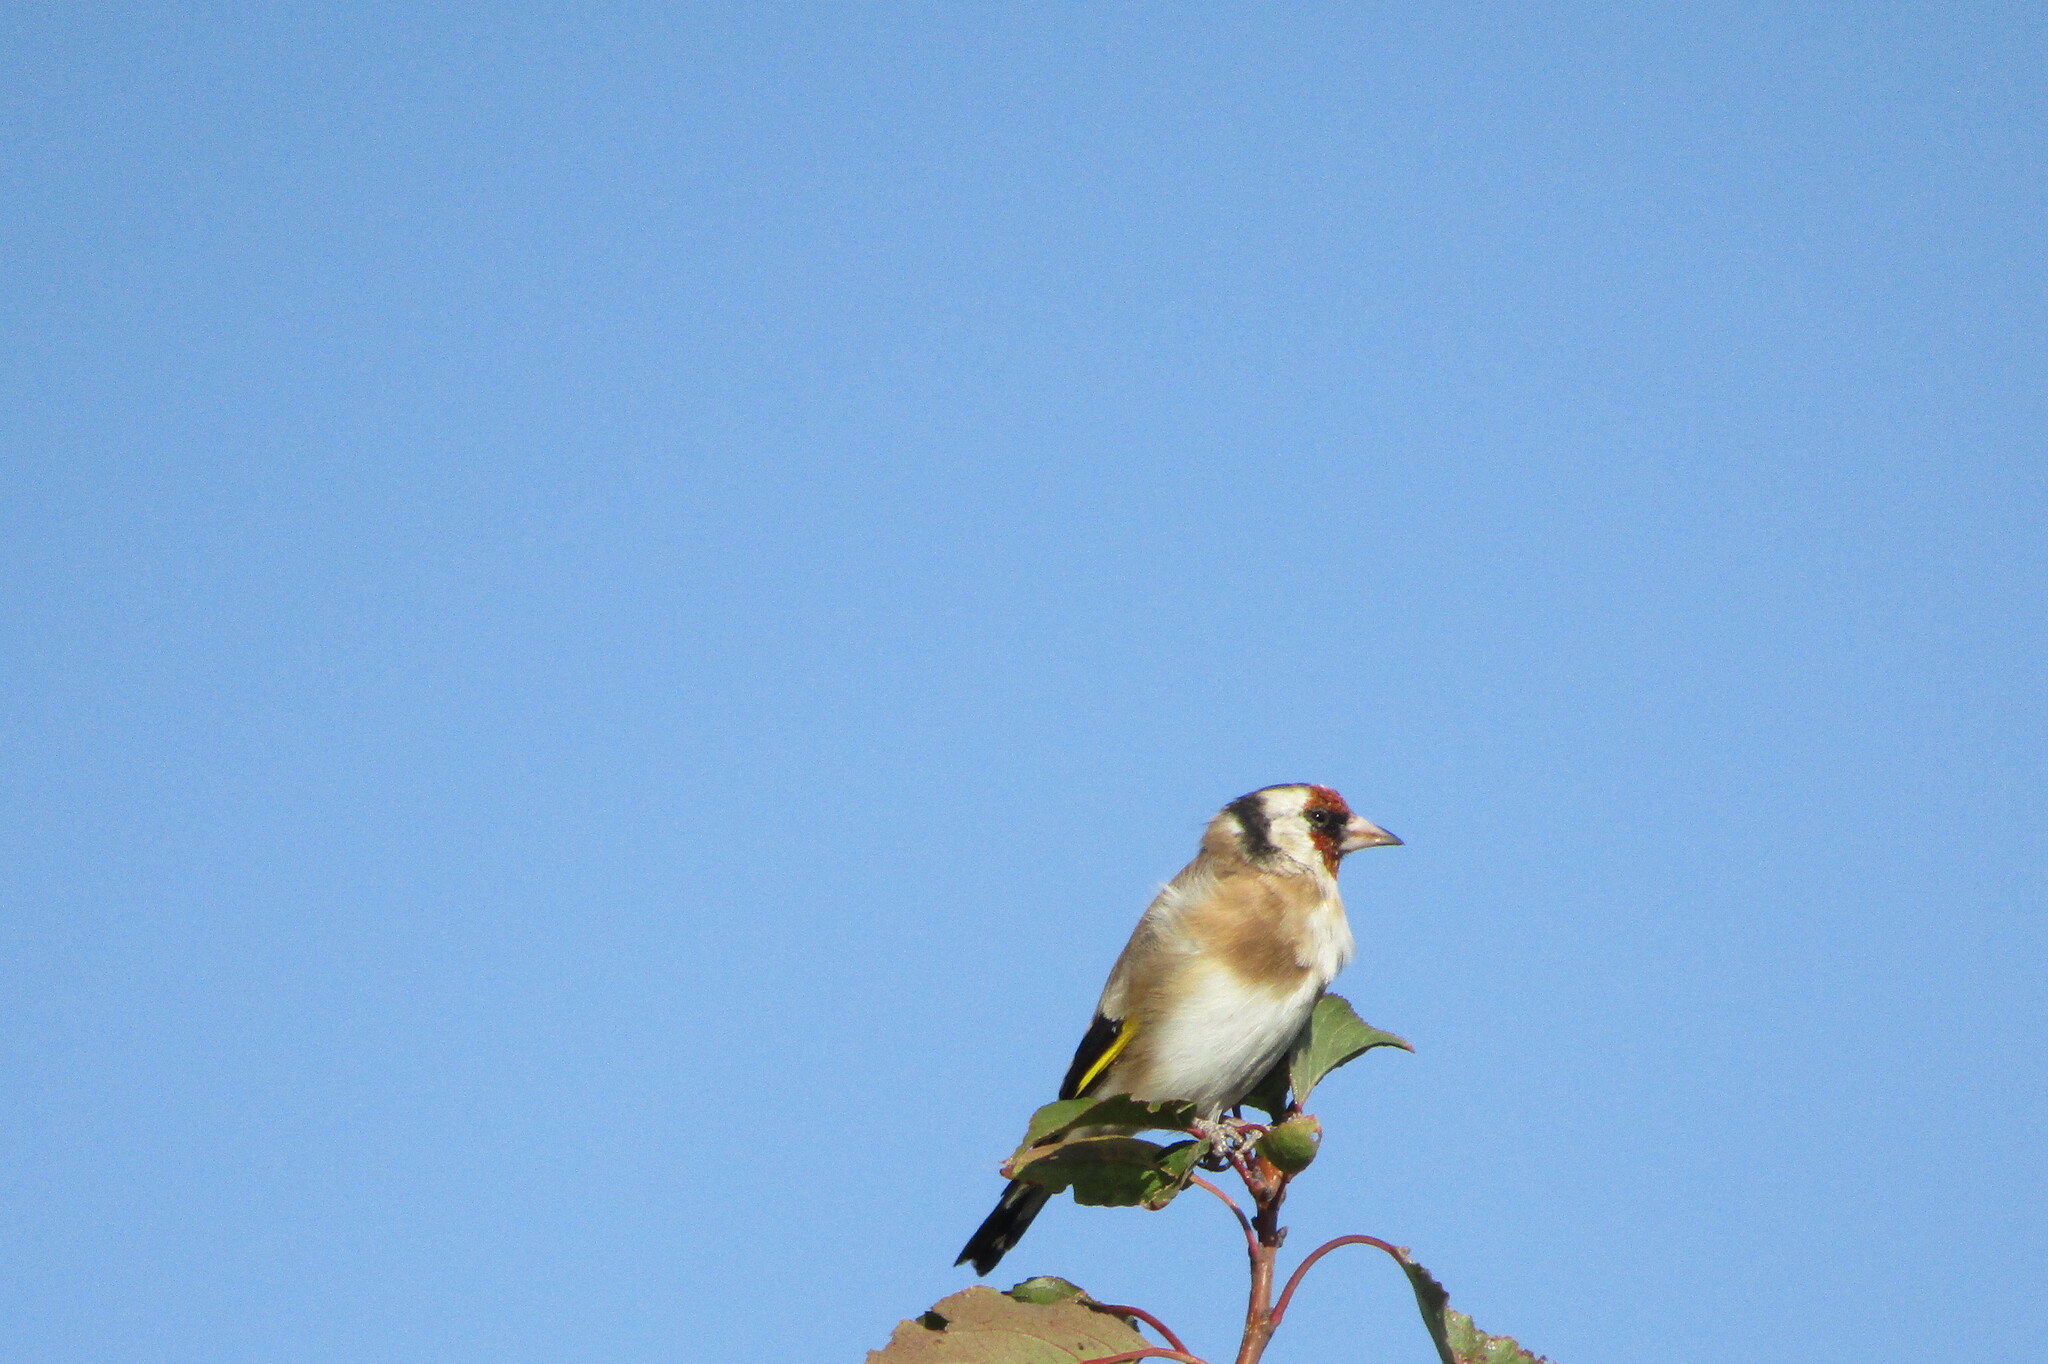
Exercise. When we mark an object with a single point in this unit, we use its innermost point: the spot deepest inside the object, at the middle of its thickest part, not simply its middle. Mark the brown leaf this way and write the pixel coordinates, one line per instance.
(981, 1326)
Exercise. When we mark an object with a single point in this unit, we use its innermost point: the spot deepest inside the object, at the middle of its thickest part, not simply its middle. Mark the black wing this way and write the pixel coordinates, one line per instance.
(1105, 1035)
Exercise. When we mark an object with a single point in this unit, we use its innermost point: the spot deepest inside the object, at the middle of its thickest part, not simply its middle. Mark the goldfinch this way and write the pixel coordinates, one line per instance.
(1220, 975)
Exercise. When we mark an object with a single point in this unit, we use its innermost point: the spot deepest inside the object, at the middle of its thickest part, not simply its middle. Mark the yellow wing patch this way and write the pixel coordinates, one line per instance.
(1126, 1030)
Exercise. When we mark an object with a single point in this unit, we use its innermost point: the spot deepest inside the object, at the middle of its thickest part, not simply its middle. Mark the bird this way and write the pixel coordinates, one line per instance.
(1219, 977)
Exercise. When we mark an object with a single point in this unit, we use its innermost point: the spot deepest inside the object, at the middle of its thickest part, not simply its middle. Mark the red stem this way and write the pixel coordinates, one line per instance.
(1141, 1314)
(1153, 1353)
(1251, 1240)
(1244, 1171)
(1294, 1280)
(1258, 1314)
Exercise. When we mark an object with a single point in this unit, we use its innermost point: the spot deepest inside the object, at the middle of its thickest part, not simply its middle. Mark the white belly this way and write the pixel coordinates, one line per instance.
(1221, 1038)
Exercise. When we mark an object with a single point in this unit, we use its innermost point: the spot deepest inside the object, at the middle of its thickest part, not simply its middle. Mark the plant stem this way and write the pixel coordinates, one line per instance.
(1119, 1310)
(1251, 1238)
(1268, 1188)
(1294, 1281)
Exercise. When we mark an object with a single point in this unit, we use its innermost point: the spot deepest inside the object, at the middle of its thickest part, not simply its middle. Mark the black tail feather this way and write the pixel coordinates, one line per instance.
(1005, 1226)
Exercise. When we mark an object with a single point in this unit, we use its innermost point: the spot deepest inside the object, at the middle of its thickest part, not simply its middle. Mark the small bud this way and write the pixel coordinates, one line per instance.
(1292, 1145)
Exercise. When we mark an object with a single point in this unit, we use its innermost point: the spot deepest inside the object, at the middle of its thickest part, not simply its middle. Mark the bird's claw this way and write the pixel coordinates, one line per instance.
(1228, 1138)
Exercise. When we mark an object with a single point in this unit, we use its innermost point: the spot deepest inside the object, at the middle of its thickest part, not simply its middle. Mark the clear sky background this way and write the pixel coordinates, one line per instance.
(612, 611)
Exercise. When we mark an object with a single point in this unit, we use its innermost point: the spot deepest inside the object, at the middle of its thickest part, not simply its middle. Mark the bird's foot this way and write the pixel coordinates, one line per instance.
(1228, 1138)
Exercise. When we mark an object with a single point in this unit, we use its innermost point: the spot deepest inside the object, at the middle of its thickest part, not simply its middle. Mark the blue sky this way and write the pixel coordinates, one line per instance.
(611, 612)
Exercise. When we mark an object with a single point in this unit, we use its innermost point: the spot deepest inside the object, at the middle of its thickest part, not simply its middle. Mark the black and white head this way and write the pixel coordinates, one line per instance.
(1310, 826)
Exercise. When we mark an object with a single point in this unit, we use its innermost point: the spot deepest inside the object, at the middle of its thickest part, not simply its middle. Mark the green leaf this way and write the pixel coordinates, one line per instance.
(1432, 1301)
(1045, 1288)
(1105, 1172)
(1457, 1340)
(981, 1326)
(1335, 1035)
(1473, 1346)
(1055, 1120)
(1177, 1162)
(1082, 1144)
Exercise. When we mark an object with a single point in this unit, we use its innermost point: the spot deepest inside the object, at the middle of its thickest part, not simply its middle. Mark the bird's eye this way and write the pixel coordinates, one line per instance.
(1322, 819)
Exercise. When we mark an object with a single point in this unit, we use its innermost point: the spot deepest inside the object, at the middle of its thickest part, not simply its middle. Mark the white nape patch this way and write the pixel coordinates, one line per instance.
(1222, 1037)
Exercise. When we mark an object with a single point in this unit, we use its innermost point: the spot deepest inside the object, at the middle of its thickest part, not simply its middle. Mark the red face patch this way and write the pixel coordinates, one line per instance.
(1328, 840)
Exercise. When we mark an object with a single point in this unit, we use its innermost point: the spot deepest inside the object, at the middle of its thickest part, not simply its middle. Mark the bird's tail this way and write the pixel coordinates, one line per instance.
(1005, 1226)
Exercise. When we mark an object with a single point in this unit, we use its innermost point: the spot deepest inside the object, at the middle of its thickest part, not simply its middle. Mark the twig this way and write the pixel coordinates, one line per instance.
(1268, 1194)
(1141, 1314)
(1251, 1240)
(1294, 1280)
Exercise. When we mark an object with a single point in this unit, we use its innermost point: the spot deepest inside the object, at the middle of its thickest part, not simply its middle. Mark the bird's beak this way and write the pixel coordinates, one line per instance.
(1363, 833)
